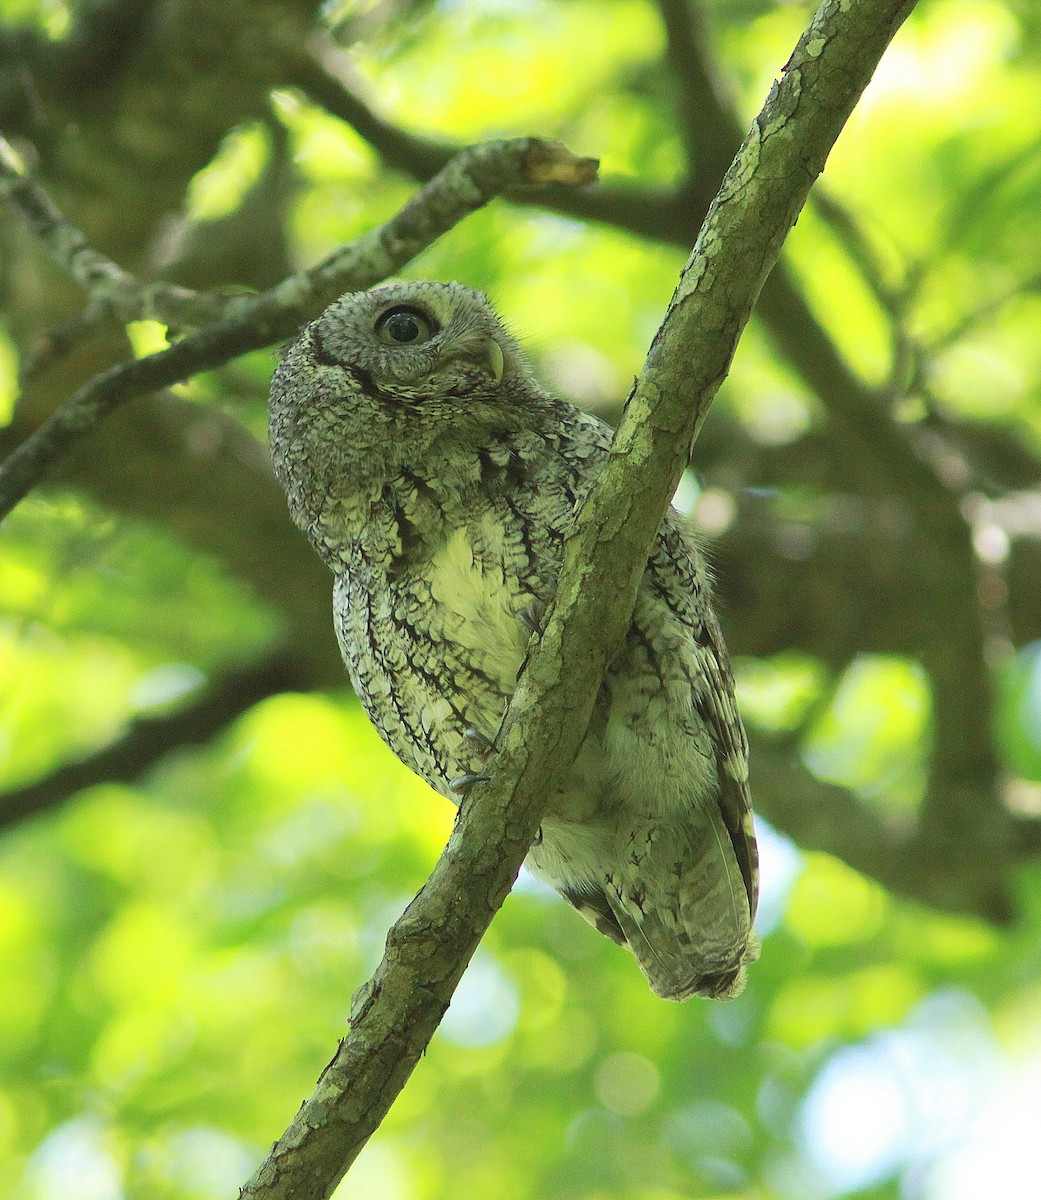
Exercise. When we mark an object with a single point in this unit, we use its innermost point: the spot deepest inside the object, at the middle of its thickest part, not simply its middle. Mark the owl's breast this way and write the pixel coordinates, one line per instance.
(433, 640)
(477, 590)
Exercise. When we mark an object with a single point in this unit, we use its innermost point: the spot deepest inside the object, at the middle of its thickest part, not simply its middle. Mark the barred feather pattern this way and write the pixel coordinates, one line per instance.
(437, 479)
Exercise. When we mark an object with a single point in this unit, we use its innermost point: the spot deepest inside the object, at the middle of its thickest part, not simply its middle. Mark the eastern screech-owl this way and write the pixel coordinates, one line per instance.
(437, 479)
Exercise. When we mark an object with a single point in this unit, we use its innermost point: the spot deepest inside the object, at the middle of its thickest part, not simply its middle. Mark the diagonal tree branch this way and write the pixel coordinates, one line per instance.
(396, 1013)
(881, 459)
(465, 184)
(962, 784)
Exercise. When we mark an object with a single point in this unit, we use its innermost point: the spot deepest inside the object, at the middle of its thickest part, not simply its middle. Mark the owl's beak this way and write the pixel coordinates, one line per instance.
(485, 351)
(495, 358)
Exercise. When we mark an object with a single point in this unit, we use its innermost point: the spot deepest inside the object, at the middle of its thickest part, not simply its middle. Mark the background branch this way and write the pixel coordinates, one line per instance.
(109, 286)
(150, 739)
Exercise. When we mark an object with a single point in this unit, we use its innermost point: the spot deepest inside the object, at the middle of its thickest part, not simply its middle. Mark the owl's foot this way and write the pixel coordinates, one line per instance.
(483, 748)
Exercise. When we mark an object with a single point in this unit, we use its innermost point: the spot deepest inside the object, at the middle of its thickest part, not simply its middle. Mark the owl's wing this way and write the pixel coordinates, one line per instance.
(718, 705)
(675, 890)
(683, 578)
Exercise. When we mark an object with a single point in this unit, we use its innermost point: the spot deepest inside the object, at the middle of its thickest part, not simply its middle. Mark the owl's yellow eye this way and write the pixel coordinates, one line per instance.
(405, 326)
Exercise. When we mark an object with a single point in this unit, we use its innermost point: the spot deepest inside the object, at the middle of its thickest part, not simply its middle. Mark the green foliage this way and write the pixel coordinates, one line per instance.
(177, 956)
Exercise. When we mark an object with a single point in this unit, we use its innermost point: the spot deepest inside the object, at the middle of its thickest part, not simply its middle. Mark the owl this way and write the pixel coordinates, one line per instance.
(437, 479)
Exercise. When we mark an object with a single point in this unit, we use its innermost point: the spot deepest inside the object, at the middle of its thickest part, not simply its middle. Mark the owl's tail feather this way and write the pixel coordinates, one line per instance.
(592, 903)
(683, 909)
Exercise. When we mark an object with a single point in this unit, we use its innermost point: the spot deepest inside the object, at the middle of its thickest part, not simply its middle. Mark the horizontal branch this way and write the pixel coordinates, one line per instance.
(605, 556)
(149, 739)
(469, 181)
(823, 816)
(662, 214)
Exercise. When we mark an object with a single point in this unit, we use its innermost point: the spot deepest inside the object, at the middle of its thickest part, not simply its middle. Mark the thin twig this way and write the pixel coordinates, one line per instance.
(108, 285)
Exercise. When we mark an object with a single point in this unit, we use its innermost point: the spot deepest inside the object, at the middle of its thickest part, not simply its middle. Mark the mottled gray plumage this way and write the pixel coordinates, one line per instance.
(437, 479)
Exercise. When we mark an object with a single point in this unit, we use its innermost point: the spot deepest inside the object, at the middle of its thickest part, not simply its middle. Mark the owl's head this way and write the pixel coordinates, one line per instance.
(381, 377)
(415, 343)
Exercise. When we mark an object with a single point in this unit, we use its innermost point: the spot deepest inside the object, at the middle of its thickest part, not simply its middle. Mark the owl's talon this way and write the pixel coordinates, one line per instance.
(531, 616)
(463, 783)
(479, 740)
